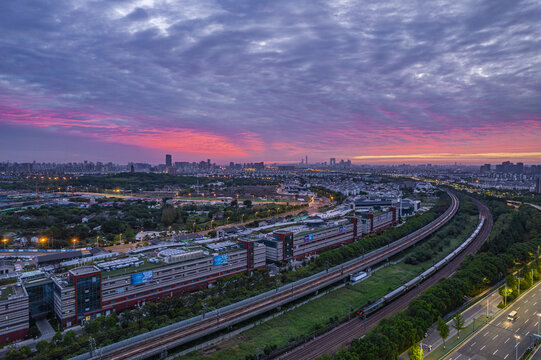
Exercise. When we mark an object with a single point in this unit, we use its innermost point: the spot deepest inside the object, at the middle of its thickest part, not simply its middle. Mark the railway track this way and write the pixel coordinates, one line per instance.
(342, 335)
(156, 344)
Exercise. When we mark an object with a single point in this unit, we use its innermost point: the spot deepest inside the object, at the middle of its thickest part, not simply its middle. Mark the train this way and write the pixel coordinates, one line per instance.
(367, 310)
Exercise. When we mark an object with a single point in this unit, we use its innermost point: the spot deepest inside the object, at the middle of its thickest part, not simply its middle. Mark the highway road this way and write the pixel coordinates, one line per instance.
(149, 346)
(497, 339)
(342, 335)
(490, 303)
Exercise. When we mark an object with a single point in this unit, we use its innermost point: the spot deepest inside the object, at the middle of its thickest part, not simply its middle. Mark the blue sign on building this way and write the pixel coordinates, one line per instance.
(308, 238)
(141, 278)
(220, 260)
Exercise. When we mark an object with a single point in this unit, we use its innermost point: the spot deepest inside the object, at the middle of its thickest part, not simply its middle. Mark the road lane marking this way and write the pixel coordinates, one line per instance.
(494, 353)
(483, 347)
(527, 333)
(505, 357)
(507, 340)
(528, 319)
(486, 333)
(494, 338)
(473, 343)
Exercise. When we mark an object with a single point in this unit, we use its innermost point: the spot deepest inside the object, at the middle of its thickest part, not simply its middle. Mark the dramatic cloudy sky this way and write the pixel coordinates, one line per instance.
(371, 81)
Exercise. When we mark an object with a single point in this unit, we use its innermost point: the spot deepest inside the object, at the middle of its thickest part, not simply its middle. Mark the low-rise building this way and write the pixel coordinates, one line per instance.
(14, 321)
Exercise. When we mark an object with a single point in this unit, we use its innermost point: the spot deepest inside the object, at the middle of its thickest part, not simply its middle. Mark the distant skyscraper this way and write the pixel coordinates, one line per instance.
(538, 185)
(485, 168)
(306, 161)
(332, 162)
(168, 160)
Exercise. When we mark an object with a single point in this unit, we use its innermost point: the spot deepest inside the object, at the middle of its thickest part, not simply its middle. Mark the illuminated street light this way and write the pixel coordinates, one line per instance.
(74, 241)
(5, 241)
(517, 338)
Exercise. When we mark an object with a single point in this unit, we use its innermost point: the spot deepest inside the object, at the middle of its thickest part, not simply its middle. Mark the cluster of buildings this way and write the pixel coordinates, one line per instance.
(75, 289)
(511, 168)
(116, 283)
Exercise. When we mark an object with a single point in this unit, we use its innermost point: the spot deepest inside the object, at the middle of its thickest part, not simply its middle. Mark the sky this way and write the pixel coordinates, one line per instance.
(233, 80)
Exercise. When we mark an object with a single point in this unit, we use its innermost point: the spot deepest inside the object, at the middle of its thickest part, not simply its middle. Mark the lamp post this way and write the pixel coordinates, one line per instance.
(43, 241)
(5, 241)
(517, 338)
(74, 241)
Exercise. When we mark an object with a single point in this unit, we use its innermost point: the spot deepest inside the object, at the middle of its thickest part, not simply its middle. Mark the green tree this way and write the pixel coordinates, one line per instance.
(443, 329)
(129, 233)
(247, 203)
(415, 352)
(169, 215)
(458, 324)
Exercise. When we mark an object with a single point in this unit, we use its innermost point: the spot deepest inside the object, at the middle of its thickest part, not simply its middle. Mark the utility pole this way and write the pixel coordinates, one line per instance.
(92, 344)
(517, 338)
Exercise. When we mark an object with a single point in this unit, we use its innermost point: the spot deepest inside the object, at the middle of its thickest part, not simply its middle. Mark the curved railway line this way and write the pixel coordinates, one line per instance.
(342, 335)
(154, 345)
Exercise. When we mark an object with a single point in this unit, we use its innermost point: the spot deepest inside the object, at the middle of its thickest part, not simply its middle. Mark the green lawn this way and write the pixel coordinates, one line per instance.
(316, 314)
(6, 292)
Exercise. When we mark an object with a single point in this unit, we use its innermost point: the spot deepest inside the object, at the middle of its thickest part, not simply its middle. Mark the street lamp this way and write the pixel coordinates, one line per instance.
(43, 240)
(74, 241)
(5, 241)
(517, 338)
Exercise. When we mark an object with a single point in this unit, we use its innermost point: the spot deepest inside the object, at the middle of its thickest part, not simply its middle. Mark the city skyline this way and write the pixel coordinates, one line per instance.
(382, 83)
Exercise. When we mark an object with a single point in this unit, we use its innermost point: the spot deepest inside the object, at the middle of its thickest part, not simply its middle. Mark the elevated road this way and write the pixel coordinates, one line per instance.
(156, 342)
(342, 335)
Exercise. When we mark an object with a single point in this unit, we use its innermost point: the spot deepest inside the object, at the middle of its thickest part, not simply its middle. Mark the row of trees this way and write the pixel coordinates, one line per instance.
(397, 333)
(442, 237)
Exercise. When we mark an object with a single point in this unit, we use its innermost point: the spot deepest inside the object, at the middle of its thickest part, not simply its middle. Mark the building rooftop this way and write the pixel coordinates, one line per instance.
(84, 270)
(6, 292)
(43, 259)
(11, 290)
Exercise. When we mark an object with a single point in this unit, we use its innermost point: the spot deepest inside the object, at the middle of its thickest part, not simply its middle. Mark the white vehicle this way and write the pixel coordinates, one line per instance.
(512, 316)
